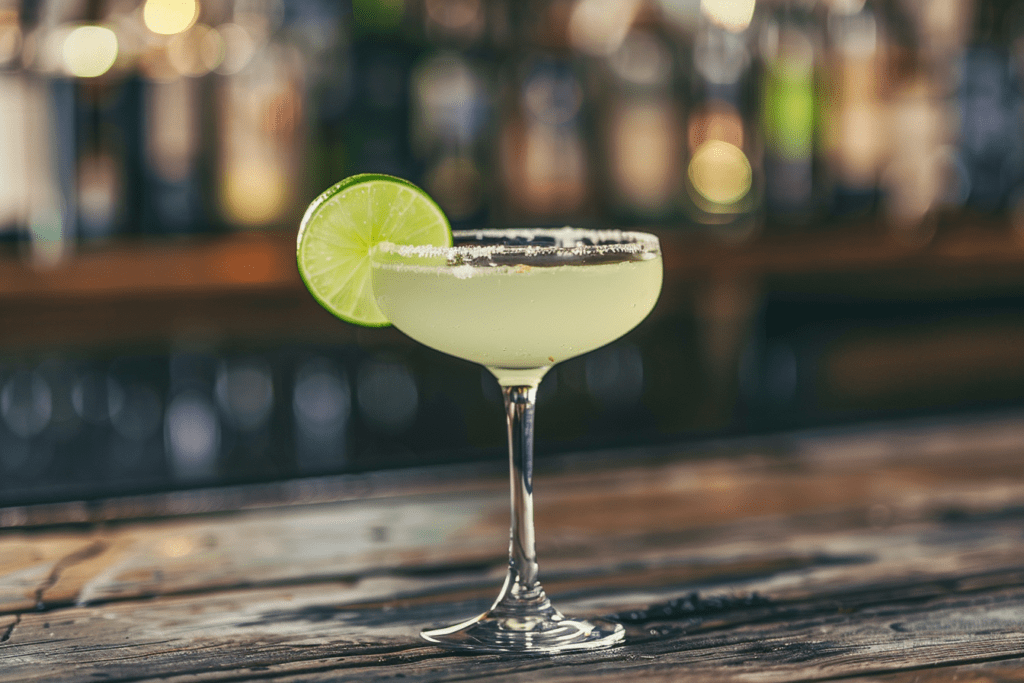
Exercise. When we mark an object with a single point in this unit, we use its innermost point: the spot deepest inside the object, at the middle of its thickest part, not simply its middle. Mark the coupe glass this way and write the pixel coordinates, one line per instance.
(518, 302)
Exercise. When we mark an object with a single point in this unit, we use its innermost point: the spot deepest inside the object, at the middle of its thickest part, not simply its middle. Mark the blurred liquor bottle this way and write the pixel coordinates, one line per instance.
(261, 118)
(790, 49)
(174, 200)
(639, 109)
(451, 108)
(989, 106)
(724, 155)
(920, 175)
(14, 98)
(107, 129)
(109, 170)
(1015, 35)
(324, 30)
(179, 51)
(852, 133)
(386, 41)
(544, 164)
(47, 141)
(81, 132)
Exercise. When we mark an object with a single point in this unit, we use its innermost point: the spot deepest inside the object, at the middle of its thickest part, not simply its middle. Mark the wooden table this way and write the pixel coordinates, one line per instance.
(884, 553)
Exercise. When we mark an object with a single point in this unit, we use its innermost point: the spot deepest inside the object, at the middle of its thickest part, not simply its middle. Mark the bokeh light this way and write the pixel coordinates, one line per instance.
(733, 15)
(89, 51)
(720, 172)
(168, 17)
(254, 193)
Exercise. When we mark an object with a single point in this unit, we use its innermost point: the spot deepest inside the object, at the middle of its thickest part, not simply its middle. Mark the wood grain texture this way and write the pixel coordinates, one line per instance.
(888, 555)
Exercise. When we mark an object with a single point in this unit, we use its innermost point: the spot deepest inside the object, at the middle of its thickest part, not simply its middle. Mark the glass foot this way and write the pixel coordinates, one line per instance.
(550, 632)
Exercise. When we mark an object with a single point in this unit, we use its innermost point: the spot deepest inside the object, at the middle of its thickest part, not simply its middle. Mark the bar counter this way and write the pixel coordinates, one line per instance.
(888, 552)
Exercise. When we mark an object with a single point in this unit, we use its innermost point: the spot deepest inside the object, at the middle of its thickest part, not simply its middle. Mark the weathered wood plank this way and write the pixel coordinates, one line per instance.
(30, 565)
(306, 633)
(666, 509)
(879, 558)
(905, 566)
(307, 543)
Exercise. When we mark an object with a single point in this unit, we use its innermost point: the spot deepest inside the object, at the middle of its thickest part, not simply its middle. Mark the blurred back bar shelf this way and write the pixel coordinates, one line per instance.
(838, 186)
(246, 284)
(149, 291)
(238, 267)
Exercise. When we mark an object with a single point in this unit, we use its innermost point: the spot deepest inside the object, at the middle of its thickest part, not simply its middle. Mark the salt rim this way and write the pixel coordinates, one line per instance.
(616, 242)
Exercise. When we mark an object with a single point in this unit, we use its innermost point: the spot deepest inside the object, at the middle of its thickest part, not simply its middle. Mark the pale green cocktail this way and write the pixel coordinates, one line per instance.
(517, 302)
(518, 310)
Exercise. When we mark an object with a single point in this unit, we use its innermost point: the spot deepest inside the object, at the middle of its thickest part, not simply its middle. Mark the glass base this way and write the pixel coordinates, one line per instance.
(509, 628)
(493, 635)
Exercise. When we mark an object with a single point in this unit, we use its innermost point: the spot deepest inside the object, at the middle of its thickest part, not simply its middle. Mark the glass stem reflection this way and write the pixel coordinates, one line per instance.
(522, 582)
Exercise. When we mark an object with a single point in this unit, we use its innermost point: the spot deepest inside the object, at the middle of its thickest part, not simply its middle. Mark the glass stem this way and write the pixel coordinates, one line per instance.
(523, 619)
(522, 584)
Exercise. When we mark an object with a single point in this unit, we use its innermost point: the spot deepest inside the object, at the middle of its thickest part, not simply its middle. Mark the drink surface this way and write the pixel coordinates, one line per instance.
(516, 318)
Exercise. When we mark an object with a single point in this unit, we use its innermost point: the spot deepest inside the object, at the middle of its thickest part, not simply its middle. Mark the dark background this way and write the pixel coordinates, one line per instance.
(837, 186)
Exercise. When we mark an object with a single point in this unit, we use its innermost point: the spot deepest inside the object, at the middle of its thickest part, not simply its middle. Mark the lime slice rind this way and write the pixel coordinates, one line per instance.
(342, 225)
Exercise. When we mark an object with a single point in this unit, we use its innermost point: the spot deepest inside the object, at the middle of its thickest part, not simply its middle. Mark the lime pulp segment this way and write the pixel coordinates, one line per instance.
(344, 223)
